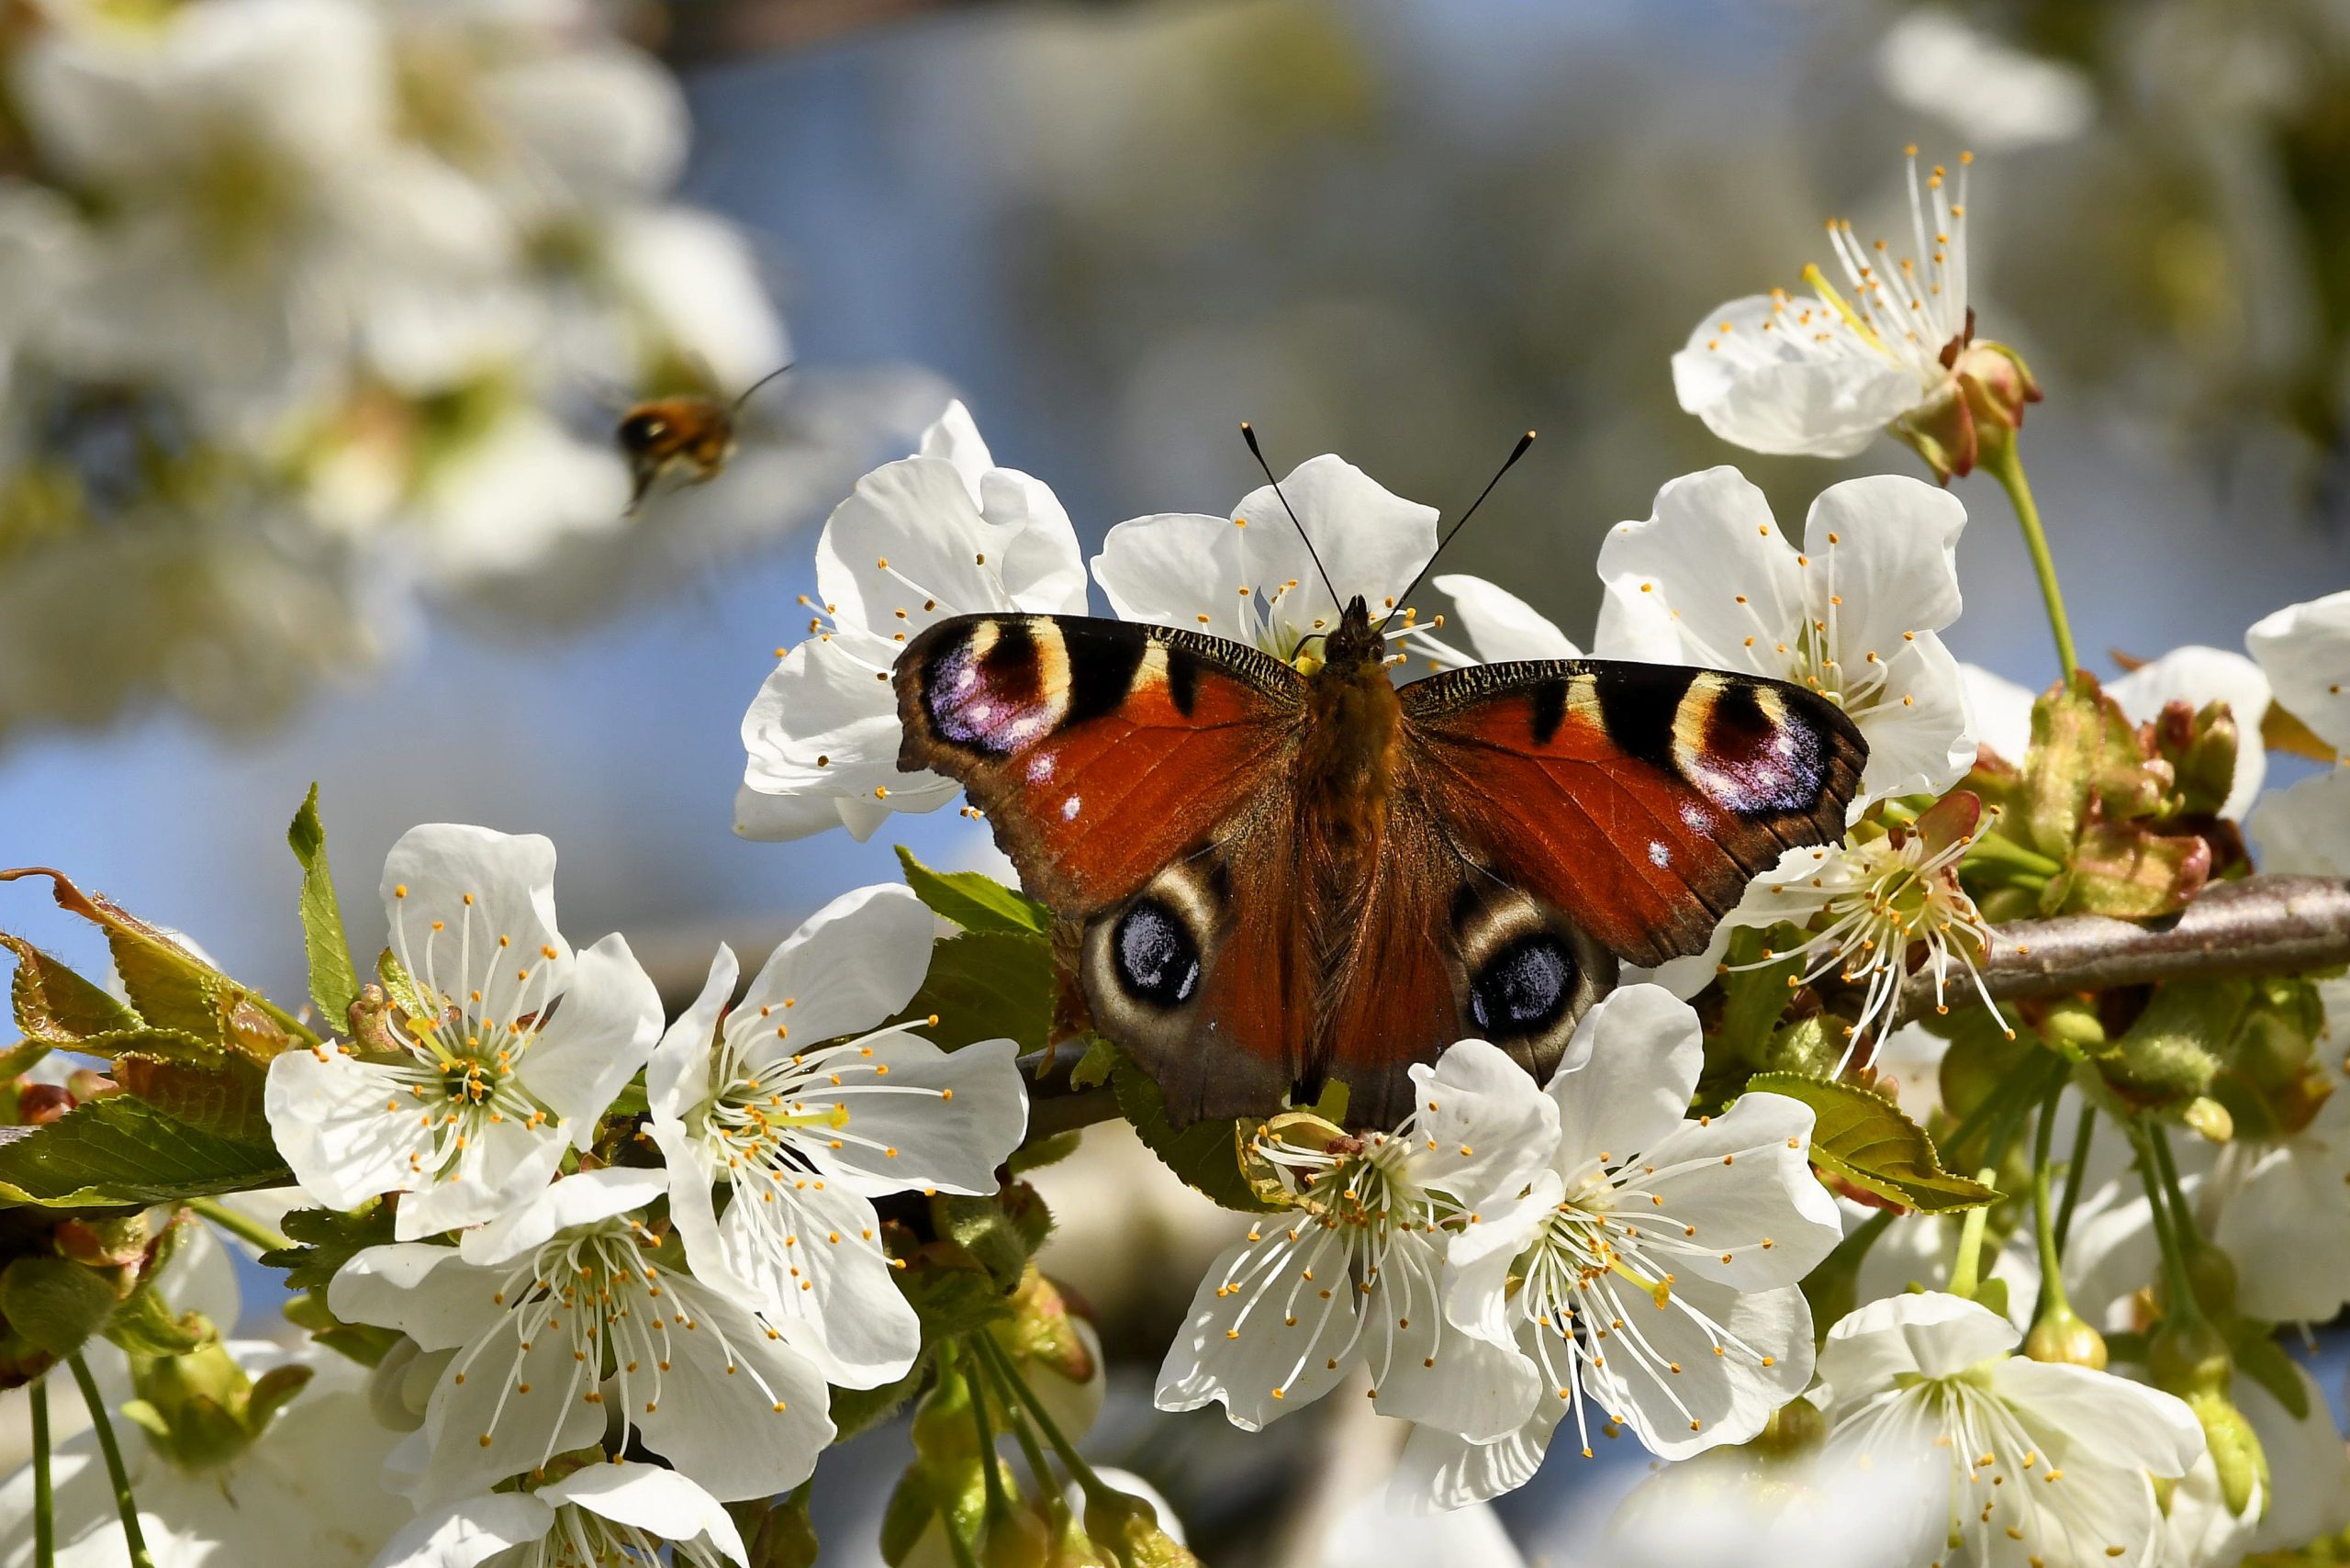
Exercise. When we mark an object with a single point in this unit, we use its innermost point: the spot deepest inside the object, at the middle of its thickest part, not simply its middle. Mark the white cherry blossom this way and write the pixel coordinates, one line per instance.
(621, 1512)
(1250, 577)
(1851, 613)
(2044, 1463)
(1351, 1269)
(1821, 374)
(1869, 906)
(305, 1490)
(564, 1319)
(515, 1047)
(1652, 1271)
(804, 1106)
(940, 534)
(2304, 649)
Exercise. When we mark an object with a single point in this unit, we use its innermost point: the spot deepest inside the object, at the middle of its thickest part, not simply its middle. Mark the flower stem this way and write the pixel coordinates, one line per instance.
(2077, 1170)
(2182, 1307)
(1071, 1461)
(125, 1504)
(2052, 1277)
(2005, 462)
(1021, 1432)
(244, 1227)
(990, 1472)
(1966, 1270)
(44, 1498)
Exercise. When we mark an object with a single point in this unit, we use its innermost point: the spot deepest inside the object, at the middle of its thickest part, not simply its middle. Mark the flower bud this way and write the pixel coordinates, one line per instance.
(1996, 387)
(2188, 1356)
(2235, 1452)
(2072, 1021)
(1014, 1537)
(2064, 1337)
(2209, 1118)
(40, 1103)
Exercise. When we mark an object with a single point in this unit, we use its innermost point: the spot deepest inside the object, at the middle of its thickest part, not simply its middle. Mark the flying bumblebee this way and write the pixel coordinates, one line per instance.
(688, 435)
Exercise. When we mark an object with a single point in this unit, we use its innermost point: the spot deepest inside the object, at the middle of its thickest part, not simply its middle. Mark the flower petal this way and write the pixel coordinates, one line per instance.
(676, 1078)
(1743, 1181)
(1662, 1374)
(663, 1503)
(2120, 1422)
(1637, 1057)
(1789, 376)
(1998, 712)
(1425, 1371)
(1935, 1334)
(504, 1164)
(943, 1119)
(1916, 724)
(2306, 827)
(427, 1293)
(480, 1425)
(505, 880)
(2305, 650)
(1886, 546)
(1707, 571)
(583, 1198)
(1484, 1126)
(1502, 627)
(737, 1409)
(602, 1034)
(849, 966)
(909, 548)
(327, 1115)
(462, 1534)
(1271, 1328)
(810, 1254)
(1185, 569)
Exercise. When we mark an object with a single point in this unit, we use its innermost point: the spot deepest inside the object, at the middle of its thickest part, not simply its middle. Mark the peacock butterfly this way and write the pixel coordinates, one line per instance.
(1276, 877)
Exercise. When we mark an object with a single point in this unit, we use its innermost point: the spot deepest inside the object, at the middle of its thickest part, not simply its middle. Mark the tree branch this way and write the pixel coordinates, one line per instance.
(2261, 925)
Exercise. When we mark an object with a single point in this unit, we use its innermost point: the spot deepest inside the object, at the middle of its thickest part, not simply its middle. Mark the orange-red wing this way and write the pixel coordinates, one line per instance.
(1100, 750)
(1640, 799)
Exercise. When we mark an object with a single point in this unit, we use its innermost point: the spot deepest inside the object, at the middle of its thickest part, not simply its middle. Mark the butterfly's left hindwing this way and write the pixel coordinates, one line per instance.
(1640, 799)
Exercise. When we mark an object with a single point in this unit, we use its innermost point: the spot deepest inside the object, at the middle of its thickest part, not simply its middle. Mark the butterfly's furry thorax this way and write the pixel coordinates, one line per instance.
(1348, 757)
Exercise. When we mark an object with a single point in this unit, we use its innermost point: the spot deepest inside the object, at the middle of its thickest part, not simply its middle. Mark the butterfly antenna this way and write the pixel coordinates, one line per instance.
(1249, 434)
(736, 406)
(1454, 531)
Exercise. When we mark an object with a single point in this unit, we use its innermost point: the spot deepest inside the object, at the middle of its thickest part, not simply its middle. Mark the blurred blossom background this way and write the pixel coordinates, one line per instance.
(317, 315)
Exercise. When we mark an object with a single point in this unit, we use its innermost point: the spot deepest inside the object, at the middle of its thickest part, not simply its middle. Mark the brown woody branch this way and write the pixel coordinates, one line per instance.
(2261, 925)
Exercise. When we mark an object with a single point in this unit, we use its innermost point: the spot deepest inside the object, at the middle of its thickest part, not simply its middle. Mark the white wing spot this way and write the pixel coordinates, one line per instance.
(1070, 808)
(1659, 854)
(1040, 767)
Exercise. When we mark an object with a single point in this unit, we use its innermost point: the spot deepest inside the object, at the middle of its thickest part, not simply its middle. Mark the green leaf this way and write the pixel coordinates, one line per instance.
(986, 985)
(973, 900)
(2130, 872)
(400, 986)
(1206, 1155)
(56, 1006)
(55, 1303)
(222, 1096)
(1095, 1067)
(1866, 1140)
(1045, 1151)
(120, 1149)
(325, 1239)
(171, 988)
(334, 981)
(2260, 1358)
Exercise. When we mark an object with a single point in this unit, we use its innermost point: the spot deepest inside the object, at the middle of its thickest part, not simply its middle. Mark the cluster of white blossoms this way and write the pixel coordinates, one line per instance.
(693, 1310)
(297, 291)
(1513, 1257)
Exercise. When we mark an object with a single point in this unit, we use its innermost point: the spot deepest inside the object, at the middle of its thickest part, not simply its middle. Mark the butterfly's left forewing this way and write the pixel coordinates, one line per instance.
(1138, 777)
(1639, 799)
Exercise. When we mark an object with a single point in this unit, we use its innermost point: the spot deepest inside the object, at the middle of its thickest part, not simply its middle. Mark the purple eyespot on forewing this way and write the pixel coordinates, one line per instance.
(1755, 762)
(989, 691)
